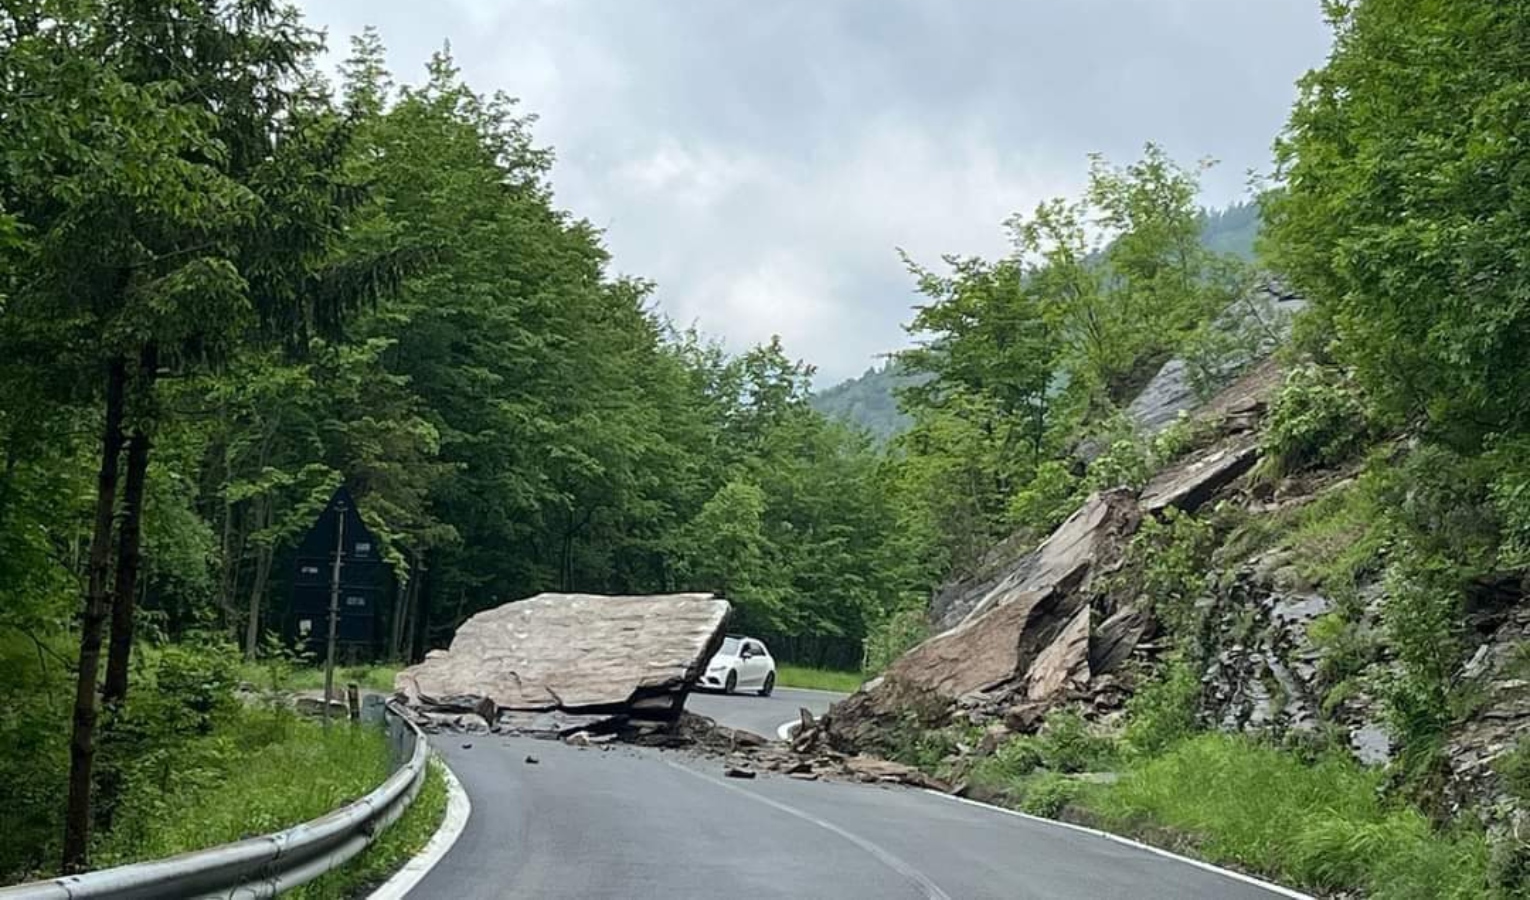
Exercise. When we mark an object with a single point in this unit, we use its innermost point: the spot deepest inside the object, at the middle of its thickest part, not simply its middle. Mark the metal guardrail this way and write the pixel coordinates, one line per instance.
(262, 866)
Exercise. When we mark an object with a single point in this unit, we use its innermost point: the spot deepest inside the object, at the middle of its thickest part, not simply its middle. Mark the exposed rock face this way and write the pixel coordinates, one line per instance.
(573, 656)
(1170, 393)
(1264, 670)
(1063, 560)
(1189, 484)
(1500, 669)
(1027, 641)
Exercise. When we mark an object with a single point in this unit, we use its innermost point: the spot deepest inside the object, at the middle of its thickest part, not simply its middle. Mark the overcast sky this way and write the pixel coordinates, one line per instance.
(762, 159)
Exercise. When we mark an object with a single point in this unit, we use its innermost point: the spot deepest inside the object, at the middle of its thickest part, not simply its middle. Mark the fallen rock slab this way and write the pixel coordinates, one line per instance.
(1191, 483)
(564, 663)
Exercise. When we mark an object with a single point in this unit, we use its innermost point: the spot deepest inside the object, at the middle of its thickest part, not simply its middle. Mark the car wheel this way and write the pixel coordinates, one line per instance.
(731, 684)
(770, 685)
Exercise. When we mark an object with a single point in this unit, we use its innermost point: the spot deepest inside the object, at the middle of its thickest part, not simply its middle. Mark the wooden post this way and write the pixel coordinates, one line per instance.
(353, 700)
(334, 611)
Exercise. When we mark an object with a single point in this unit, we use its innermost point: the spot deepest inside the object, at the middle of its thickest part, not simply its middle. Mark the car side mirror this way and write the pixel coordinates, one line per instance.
(746, 654)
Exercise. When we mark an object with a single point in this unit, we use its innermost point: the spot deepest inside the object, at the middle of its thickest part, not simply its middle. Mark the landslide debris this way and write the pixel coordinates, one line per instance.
(558, 664)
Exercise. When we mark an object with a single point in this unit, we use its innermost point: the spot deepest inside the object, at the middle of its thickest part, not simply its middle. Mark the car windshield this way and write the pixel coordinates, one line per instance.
(729, 647)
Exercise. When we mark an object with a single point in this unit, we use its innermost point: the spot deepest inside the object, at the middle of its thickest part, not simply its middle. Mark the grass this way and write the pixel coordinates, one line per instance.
(1322, 826)
(239, 782)
(392, 849)
(1338, 536)
(818, 679)
(370, 677)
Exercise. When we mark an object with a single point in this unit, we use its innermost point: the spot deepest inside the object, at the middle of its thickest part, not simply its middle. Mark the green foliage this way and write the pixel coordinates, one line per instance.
(1514, 768)
(403, 840)
(1163, 711)
(1318, 419)
(791, 676)
(1510, 490)
(1400, 212)
(1321, 826)
(1021, 357)
(1067, 745)
(869, 402)
(1342, 536)
(238, 781)
(1010, 762)
(1168, 564)
(893, 634)
(1048, 794)
(37, 690)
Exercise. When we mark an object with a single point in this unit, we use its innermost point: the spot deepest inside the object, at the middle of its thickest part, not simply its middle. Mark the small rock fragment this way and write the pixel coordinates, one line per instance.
(738, 772)
(467, 745)
(531, 760)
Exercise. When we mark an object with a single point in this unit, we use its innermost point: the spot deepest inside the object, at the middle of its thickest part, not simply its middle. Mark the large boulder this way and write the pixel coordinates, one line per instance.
(1064, 560)
(572, 653)
(1027, 640)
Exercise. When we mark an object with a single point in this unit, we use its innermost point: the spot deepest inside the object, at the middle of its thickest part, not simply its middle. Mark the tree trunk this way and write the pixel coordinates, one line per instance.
(130, 540)
(401, 611)
(82, 742)
(258, 589)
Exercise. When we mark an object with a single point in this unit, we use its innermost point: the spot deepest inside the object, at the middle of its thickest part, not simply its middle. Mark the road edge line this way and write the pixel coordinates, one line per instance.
(1280, 890)
(840, 694)
(458, 809)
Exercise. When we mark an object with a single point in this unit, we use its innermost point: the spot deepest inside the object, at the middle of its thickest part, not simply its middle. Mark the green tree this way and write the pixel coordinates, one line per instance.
(1401, 209)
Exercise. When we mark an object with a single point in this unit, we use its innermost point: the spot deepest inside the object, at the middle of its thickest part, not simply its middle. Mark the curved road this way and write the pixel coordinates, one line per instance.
(761, 715)
(632, 823)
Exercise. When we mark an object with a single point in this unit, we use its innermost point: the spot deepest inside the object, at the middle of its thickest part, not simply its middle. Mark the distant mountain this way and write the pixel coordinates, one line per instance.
(868, 401)
(1232, 230)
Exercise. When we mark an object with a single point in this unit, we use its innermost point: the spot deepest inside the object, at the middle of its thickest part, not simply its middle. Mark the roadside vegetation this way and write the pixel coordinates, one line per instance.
(792, 676)
(369, 677)
(228, 289)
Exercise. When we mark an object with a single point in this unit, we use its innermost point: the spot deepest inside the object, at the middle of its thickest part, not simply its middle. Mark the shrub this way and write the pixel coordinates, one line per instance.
(1423, 629)
(1047, 794)
(1319, 419)
(1510, 490)
(888, 638)
(1514, 768)
(1048, 499)
(1014, 759)
(1168, 562)
(1066, 744)
(1163, 712)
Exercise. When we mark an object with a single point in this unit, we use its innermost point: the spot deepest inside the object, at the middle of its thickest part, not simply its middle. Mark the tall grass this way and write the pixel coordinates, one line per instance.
(264, 771)
(1322, 826)
(396, 846)
(377, 677)
(261, 772)
(818, 679)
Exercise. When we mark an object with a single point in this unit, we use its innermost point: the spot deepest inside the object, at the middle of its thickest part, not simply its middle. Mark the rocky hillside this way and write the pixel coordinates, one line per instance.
(1221, 563)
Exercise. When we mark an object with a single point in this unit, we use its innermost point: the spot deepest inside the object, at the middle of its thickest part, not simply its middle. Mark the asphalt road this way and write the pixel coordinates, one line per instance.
(628, 823)
(761, 715)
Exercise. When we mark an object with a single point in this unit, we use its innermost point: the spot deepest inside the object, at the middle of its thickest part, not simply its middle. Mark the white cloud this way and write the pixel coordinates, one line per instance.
(762, 161)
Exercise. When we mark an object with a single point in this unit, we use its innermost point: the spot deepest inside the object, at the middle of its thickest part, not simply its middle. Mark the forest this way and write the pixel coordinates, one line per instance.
(231, 283)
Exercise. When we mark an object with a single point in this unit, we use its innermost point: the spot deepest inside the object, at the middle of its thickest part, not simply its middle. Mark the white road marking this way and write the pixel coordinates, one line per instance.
(931, 890)
(1236, 876)
(458, 809)
(840, 694)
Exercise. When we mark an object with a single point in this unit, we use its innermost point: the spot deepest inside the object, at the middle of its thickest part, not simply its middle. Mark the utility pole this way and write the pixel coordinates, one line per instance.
(334, 609)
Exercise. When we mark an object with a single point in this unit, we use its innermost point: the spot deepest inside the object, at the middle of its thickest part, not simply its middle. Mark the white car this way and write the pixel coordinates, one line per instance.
(743, 662)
